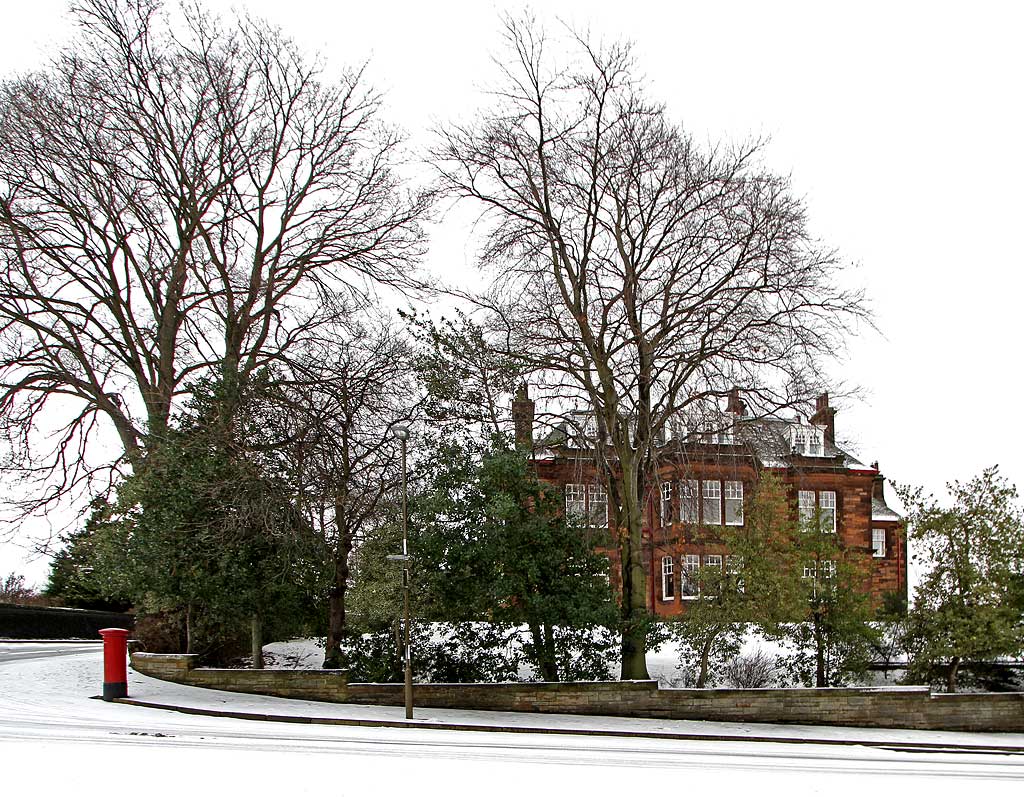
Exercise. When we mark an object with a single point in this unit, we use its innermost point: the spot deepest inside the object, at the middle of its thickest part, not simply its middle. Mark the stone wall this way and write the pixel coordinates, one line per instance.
(325, 685)
(890, 707)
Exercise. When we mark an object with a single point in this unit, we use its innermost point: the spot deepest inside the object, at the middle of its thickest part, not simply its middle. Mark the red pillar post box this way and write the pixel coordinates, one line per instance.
(115, 664)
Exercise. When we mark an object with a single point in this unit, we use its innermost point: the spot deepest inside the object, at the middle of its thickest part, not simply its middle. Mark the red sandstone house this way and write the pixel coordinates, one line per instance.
(704, 479)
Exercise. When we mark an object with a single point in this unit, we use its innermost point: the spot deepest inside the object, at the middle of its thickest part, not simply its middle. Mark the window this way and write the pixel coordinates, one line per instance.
(734, 569)
(689, 491)
(667, 582)
(666, 503)
(598, 514)
(575, 504)
(712, 574)
(718, 431)
(689, 581)
(805, 501)
(878, 543)
(821, 507)
(734, 503)
(818, 572)
(827, 510)
(676, 428)
(712, 503)
(808, 440)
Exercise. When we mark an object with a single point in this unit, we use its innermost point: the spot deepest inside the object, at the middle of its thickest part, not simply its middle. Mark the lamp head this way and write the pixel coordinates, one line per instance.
(401, 432)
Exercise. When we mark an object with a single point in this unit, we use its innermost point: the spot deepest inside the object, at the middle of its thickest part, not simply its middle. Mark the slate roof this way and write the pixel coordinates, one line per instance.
(770, 439)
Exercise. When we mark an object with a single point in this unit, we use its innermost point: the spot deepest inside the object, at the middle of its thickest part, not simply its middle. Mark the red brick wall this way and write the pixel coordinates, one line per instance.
(853, 490)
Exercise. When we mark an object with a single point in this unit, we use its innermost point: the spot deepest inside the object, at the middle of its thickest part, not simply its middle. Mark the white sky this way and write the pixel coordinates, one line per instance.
(901, 123)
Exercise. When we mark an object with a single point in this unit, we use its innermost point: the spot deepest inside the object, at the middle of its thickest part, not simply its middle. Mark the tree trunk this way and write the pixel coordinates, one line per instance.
(336, 621)
(954, 666)
(819, 655)
(634, 581)
(188, 628)
(257, 641)
(549, 652)
(705, 657)
(545, 655)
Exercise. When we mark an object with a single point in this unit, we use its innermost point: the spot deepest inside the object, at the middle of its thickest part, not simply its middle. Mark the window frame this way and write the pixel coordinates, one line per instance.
(597, 491)
(666, 504)
(689, 499)
(731, 500)
(710, 561)
(826, 510)
(668, 594)
(818, 509)
(734, 567)
(806, 510)
(879, 538)
(715, 495)
(689, 571)
(573, 513)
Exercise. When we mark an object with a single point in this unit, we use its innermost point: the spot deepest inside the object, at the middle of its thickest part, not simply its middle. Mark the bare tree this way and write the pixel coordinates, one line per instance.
(179, 198)
(755, 670)
(343, 406)
(640, 274)
(14, 590)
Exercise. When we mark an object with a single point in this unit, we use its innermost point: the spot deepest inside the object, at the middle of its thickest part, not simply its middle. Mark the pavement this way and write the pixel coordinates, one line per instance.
(153, 693)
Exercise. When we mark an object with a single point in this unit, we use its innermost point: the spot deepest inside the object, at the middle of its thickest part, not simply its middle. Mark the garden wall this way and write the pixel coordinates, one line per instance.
(888, 707)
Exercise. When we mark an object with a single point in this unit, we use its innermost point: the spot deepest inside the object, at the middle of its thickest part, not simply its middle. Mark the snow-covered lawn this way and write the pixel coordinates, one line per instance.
(662, 662)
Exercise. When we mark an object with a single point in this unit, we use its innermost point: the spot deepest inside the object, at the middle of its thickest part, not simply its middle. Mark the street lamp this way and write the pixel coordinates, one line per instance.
(402, 433)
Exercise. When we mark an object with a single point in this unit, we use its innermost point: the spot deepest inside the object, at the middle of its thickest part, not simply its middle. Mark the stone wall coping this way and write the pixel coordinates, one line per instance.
(158, 657)
(552, 685)
(801, 690)
(272, 670)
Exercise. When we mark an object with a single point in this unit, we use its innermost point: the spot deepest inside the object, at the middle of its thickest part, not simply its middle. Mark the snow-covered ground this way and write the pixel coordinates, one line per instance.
(662, 662)
(55, 740)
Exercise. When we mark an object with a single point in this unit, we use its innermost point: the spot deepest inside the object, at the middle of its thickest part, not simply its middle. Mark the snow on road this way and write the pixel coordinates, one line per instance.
(55, 740)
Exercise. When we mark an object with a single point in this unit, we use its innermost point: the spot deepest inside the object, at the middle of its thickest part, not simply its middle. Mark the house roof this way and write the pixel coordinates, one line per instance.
(768, 437)
(771, 441)
(881, 511)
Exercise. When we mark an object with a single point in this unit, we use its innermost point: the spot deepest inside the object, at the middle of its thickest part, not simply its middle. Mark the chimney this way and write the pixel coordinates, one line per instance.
(824, 415)
(522, 417)
(878, 484)
(736, 405)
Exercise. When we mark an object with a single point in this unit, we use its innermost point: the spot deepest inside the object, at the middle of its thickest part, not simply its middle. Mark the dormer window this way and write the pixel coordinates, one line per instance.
(808, 441)
(719, 431)
(584, 430)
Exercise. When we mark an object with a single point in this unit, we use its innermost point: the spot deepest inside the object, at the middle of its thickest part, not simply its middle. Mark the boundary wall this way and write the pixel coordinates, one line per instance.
(913, 707)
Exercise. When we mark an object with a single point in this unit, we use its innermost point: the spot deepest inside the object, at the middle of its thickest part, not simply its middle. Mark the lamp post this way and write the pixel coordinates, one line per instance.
(402, 433)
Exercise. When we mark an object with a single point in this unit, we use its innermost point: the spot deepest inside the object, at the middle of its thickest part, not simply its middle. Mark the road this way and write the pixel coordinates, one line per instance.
(22, 651)
(54, 738)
